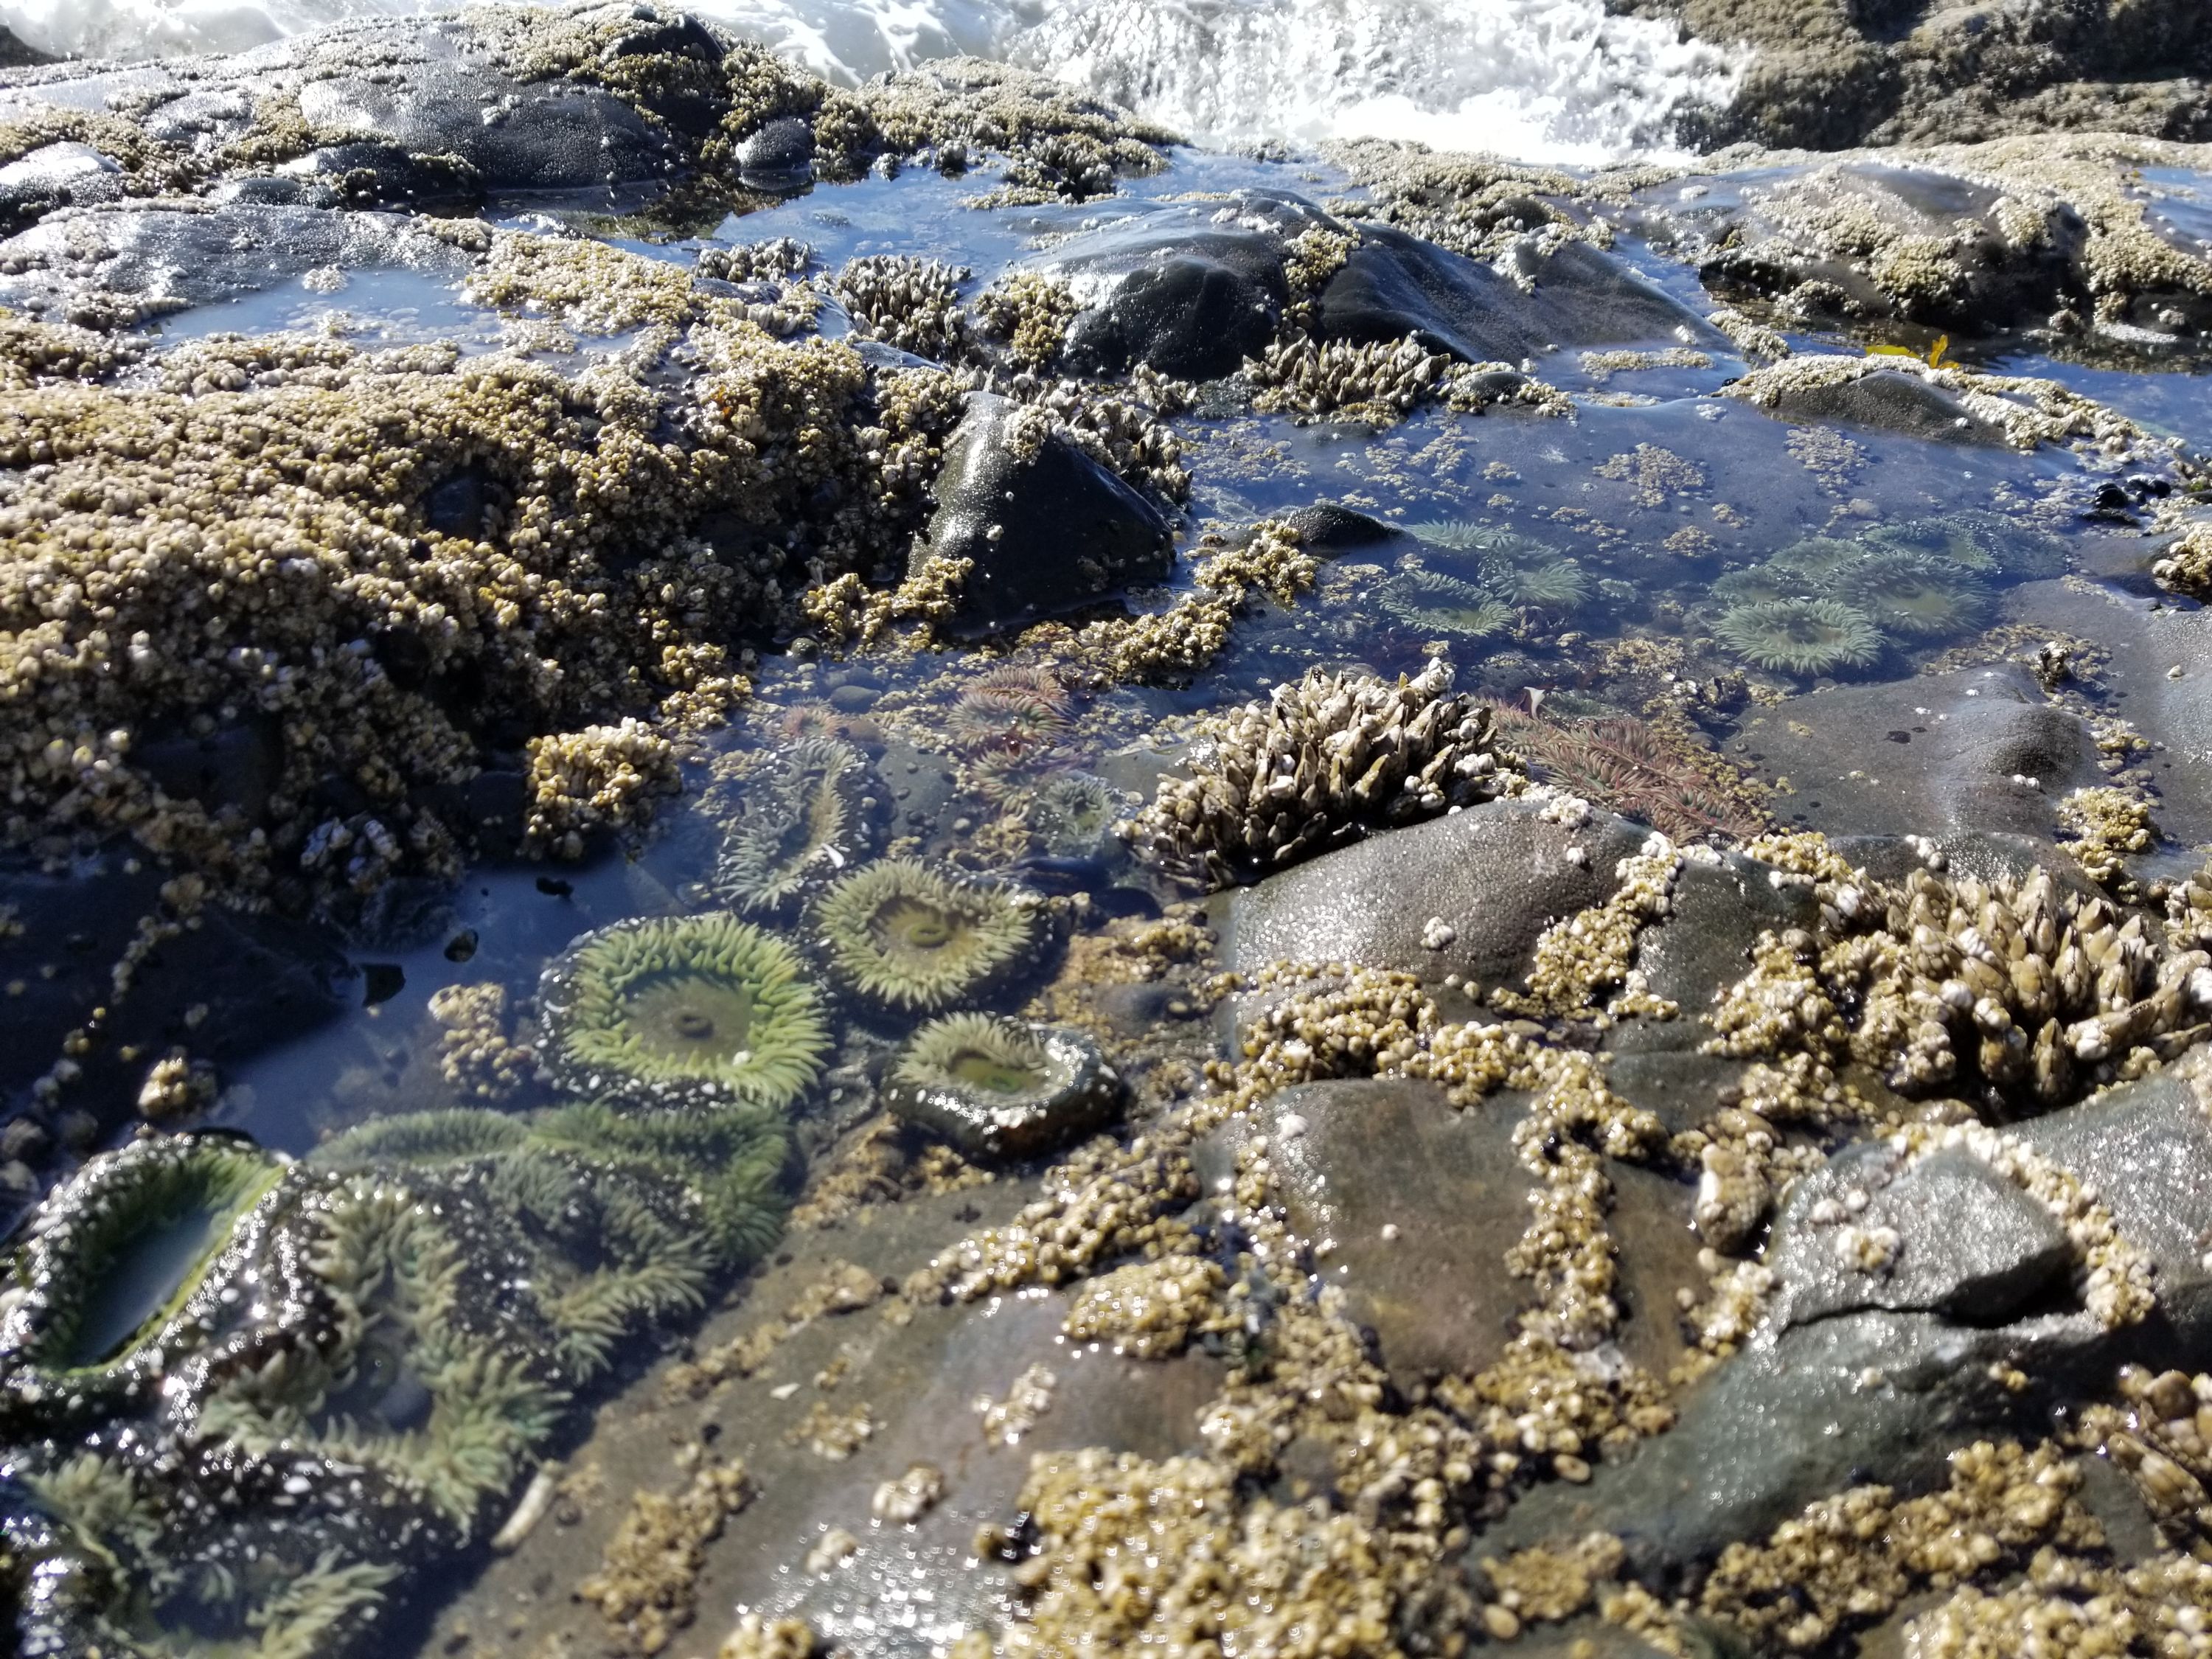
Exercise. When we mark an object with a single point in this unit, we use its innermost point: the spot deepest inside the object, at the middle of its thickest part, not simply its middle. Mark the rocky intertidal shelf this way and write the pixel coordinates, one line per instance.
(887, 869)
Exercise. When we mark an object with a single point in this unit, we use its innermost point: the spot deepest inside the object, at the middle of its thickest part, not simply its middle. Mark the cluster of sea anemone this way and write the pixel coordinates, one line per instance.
(379, 1338)
(1824, 603)
(1510, 575)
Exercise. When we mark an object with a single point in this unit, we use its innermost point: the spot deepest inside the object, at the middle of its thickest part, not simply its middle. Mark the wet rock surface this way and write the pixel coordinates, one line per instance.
(1046, 528)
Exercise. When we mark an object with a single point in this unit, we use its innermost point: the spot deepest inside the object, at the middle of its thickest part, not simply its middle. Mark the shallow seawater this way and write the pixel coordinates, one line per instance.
(1578, 568)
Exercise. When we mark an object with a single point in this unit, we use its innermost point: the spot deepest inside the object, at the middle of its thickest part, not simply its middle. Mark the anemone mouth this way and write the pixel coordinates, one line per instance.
(670, 1010)
(1800, 636)
(992, 1086)
(907, 939)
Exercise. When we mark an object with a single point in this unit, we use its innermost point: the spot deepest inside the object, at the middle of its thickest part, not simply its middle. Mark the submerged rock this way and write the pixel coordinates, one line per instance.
(1048, 529)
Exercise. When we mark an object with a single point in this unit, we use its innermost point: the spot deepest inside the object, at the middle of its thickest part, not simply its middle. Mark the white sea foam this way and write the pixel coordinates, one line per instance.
(1540, 80)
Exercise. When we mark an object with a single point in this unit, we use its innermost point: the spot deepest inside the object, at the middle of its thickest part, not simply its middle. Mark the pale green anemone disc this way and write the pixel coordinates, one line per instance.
(682, 1009)
(909, 939)
(998, 1087)
(1444, 605)
(1800, 636)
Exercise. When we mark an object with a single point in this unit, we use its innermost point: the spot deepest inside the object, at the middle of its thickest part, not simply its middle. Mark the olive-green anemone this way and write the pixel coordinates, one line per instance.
(1800, 636)
(1073, 814)
(1468, 536)
(682, 1009)
(1907, 593)
(908, 940)
(1444, 605)
(1986, 543)
(1533, 573)
(999, 1088)
(808, 813)
(1762, 584)
(117, 1251)
(1817, 560)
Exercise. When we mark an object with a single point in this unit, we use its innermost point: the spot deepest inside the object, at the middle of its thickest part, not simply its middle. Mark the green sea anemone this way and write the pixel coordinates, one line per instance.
(1817, 560)
(1763, 584)
(906, 938)
(808, 813)
(120, 1247)
(999, 1088)
(1465, 535)
(1800, 636)
(1558, 584)
(675, 1010)
(1907, 593)
(1073, 814)
(1444, 605)
(1016, 706)
(1986, 544)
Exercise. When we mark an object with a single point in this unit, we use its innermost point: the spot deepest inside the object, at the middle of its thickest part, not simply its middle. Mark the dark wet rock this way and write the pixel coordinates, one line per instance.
(2144, 645)
(1048, 528)
(1354, 1158)
(1190, 291)
(1887, 399)
(1955, 260)
(1393, 285)
(516, 136)
(1703, 945)
(780, 155)
(1977, 748)
(1332, 527)
(1496, 874)
(1899, 1367)
(1679, 1086)
(58, 175)
(141, 262)
(1976, 1248)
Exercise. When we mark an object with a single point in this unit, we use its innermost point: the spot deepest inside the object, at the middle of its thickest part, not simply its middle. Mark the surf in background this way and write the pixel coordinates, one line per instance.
(1537, 80)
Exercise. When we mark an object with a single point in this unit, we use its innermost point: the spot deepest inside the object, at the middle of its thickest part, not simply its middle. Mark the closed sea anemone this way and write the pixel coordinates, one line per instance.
(1073, 814)
(681, 1010)
(908, 940)
(807, 814)
(1905, 593)
(1444, 605)
(120, 1247)
(1000, 1088)
(1800, 636)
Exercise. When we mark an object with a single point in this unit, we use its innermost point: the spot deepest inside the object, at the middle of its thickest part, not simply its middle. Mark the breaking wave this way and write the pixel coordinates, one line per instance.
(1539, 79)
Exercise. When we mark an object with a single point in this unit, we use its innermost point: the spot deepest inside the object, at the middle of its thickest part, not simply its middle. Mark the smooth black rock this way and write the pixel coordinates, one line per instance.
(1049, 530)
(1393, 284)
(1190, 292)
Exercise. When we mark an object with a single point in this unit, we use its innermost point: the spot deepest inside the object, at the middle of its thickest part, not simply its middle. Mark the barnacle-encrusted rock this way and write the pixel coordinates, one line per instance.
(1318, 763)
(809, 812)
(999, 1088)
(1044, 526)
(907, 939)
(678, 1010)
(1377, 381)
(912, 304)
(2029, 992)
(247, 1395)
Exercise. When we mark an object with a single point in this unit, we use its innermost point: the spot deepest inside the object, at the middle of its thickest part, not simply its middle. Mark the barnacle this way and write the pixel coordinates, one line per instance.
(671, 1009)
(1910, 594)
(1000, 1088)
(1444, 604)
(1800, 636)
(1316, 764)
(907, 939)
(807, 814)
